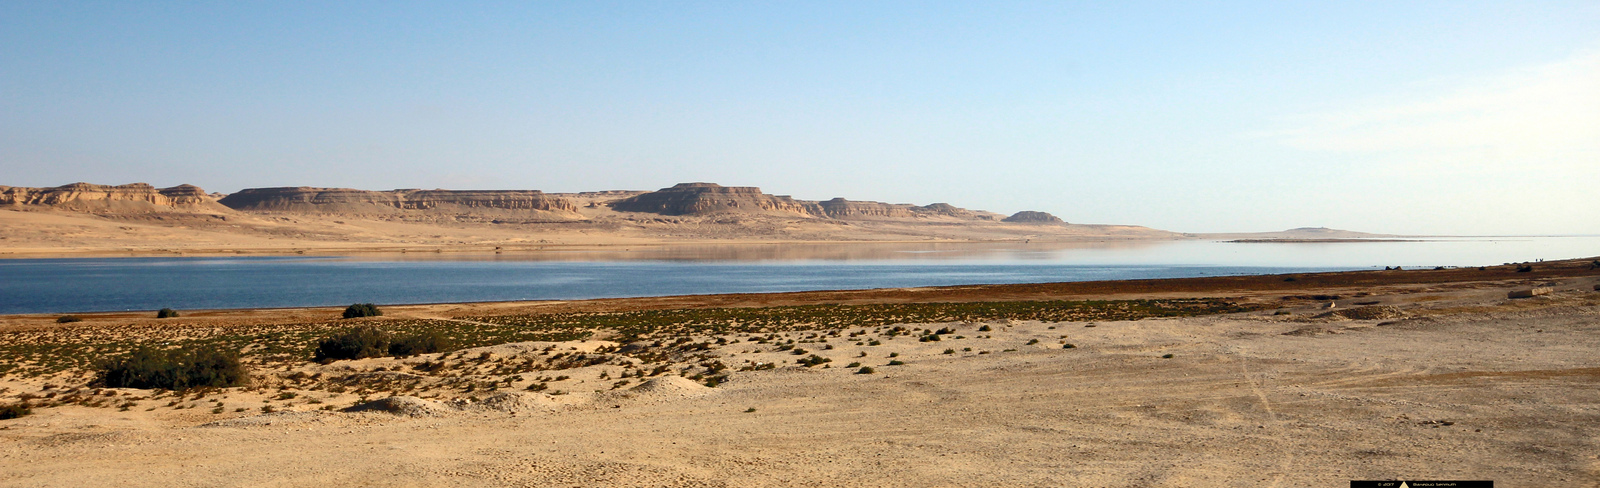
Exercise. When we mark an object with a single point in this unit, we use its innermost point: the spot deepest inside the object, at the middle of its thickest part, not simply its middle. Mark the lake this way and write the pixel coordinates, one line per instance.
(149, 283)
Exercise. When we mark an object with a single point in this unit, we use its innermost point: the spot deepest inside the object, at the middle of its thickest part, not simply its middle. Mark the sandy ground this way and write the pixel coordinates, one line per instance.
(28, 232)
(1456, 381)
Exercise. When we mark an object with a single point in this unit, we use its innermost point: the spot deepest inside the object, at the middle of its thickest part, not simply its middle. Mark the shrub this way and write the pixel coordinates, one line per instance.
(949, 351)
(14, 411)
(67, 319)
(866, 370)
(358, 343)
(896, 362)
(427, 342)
(985, 329)
(1033, 341)
(814, 360)
(1068, 345)
(166, 313)
(1166, 356)
(852, 365)
(174, 369)
(362, 310)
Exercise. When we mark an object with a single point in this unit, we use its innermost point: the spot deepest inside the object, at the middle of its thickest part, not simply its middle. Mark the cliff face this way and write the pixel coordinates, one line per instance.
(345, 200)
(85, 195)
(840, 208)
(710, 198)
(1032, 217)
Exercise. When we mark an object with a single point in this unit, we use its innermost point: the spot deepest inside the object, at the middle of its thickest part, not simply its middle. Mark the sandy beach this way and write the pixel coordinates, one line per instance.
(1413, 374)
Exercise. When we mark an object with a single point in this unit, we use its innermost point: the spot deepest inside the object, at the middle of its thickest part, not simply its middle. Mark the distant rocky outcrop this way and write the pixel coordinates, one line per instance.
(85, 196)
(840, 208)
(711, 198)
(1032, 217)
(345, 200)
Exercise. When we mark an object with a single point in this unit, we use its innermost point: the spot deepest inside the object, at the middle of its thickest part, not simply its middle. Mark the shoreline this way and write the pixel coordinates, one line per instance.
(1308, 377)
(490, 249)
(1197, 287)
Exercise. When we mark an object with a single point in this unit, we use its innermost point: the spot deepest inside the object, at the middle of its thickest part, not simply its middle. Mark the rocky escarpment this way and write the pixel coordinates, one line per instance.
(85, 196)
(711, 198)
(1032, 217)
(345, 200)
(840, 208)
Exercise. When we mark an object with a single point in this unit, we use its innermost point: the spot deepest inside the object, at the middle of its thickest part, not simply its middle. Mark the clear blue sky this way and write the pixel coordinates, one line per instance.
(1413, 117)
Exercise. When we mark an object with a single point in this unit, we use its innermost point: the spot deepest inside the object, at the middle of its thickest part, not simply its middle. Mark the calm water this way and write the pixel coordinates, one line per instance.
(81, 285)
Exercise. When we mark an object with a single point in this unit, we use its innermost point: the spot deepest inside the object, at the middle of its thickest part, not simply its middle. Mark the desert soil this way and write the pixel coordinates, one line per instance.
(1418, 375)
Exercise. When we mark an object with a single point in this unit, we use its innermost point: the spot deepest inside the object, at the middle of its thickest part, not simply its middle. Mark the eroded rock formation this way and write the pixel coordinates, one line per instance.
(343, 200)
(90, 195)
(1032, 217)
(711, 198)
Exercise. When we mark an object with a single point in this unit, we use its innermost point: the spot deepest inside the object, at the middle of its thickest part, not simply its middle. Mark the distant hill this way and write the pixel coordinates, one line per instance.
(1299, 233)
(140, 218)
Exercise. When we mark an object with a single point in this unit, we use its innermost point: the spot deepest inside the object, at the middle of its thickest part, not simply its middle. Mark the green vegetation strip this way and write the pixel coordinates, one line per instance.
(77, 350)
(647, 324)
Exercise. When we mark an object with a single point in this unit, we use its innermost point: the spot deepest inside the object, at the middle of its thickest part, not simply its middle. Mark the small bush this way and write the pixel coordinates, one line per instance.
(362, 310)
(174, 369)
(985, 329)
(949, 351)
(1033, 341)
(853, 365)
(814, 360)
(896, 362)
(166, 313)
(1166, 356)
(15, 411)
(358, 343)
(427, 342)
(866, 370)
(67, 319)
(1068, 345)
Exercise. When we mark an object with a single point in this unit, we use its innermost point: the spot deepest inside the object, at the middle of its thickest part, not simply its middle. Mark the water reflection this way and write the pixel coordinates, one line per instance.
(871, 251)
(1356, 254)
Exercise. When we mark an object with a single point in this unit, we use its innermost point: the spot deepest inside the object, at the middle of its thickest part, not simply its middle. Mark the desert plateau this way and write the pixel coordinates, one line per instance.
(81, 219)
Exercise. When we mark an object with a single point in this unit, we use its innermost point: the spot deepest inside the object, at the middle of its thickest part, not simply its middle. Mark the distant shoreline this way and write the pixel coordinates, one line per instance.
(1316, 241)
(1195, 287)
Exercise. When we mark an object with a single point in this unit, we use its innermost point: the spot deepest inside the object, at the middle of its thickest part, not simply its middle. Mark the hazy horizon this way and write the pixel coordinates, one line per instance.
(1477, 118)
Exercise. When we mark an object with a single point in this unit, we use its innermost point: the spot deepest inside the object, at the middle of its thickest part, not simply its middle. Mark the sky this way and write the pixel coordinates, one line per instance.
(1460, 117)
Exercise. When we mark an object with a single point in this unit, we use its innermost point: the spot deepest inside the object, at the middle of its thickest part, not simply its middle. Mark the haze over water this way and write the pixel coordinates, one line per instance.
(110, 284)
